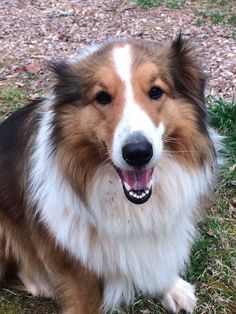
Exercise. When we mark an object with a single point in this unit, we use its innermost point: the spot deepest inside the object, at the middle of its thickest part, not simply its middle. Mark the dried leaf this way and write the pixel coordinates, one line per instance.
(34, 67)
(232, 211)
(210, 233)
(232, 168)
(19, 69)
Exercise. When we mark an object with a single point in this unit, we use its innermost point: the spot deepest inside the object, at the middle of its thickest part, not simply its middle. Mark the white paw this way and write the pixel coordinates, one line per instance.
(180, 297)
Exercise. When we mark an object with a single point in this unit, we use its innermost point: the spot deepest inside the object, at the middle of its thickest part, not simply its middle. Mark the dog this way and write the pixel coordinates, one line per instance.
(101, 181)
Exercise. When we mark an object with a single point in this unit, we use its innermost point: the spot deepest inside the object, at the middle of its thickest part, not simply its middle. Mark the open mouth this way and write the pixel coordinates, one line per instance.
(137, 184)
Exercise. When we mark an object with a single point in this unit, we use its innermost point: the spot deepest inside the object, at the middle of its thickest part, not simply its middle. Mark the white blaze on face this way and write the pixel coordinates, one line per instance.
(134, 118)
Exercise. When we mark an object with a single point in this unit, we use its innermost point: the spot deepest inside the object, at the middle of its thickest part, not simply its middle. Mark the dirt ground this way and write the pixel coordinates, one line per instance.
(38, 30)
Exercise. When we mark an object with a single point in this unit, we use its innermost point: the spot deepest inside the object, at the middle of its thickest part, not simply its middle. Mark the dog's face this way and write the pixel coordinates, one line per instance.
(130, 104)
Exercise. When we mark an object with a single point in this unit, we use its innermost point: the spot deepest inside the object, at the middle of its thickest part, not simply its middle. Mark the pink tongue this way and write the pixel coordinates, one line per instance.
(137, 179)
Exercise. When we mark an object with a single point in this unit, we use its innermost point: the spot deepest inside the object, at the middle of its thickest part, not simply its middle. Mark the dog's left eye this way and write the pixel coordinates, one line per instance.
(103, 98)
(155, 93)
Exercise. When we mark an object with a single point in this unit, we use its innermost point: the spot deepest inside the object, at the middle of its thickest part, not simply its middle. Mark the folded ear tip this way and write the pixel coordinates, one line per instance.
(181, 46)
(179, 37)
(65, 81)
(57, 67)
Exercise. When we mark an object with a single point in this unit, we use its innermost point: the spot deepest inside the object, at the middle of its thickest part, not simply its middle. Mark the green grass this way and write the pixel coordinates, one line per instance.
(213, 266)
(223, 116)
(173, 4)
(20, 88)
(232, 19)
(12, 302)
(200, 22)
(217, 17)
(14, 97)
(216, 12)
(213, 262)
(210, 12)
(149, 3)
(11, 99)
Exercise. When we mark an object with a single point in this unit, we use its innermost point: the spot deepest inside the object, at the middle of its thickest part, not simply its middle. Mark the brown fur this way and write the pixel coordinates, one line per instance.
(52, 271)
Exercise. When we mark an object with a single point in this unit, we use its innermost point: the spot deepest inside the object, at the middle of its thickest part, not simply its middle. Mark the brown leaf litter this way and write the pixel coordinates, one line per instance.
(39, 30)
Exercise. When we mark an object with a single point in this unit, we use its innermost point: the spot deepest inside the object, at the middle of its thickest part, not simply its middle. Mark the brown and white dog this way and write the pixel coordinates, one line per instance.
(101, 181)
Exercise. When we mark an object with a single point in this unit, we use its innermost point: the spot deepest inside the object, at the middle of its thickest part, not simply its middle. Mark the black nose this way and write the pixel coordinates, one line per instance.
(137, 154)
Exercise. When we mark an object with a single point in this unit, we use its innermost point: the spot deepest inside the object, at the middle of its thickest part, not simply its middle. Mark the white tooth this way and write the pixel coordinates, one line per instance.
(150, 184)
(126, 186)
(143, 194)
(131, 193)
(146, 191)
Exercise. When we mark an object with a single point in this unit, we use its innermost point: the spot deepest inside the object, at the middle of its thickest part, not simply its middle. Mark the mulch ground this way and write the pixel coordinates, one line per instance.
(38, 30)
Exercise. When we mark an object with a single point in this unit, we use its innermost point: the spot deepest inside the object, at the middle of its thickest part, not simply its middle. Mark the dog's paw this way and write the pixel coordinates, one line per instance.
(180, 297)
(36, 286)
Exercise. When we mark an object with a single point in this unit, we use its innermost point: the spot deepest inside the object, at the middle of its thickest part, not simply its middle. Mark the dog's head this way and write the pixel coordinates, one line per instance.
(129, 104)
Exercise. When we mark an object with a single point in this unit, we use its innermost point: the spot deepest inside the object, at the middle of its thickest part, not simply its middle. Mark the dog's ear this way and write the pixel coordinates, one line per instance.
(187, 74)
(66, 82)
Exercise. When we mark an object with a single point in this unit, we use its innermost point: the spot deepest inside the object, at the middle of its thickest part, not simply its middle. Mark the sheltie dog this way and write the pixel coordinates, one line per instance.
(101, 181)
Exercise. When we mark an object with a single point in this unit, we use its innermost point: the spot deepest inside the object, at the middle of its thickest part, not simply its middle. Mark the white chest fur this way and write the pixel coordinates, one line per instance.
(133, 247)
(144, 247)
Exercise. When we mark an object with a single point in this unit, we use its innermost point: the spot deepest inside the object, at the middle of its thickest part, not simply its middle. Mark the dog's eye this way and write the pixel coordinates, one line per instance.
(155, 92)
(103, 98)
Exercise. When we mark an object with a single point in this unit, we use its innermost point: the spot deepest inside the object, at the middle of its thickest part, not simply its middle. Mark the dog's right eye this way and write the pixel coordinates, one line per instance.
(155, 93)
(103, 98)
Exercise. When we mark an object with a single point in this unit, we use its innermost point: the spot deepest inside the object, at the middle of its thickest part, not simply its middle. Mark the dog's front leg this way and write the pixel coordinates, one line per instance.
(79, 292)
